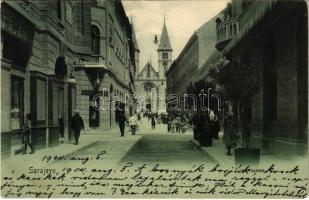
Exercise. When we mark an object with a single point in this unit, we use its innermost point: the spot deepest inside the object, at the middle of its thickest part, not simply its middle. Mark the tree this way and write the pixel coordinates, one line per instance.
(196, 89)
(240, 84)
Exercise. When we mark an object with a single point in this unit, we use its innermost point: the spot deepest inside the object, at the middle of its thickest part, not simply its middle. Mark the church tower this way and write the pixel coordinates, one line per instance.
(164, 53)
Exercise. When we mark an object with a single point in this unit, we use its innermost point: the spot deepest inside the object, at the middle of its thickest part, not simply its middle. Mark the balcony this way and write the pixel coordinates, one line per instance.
(94, 61)
(226, 31)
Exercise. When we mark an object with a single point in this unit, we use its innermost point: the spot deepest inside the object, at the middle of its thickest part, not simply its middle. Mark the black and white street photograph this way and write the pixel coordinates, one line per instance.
(154, 99)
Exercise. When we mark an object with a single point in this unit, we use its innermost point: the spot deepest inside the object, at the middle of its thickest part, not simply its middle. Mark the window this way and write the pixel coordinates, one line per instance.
(41, 102)
(68, 10)
(164, 55)
(15, 50)
(61, 102)
(81, 18)
(59, 9)
(95, 40)
(17, 104)
(164, 63)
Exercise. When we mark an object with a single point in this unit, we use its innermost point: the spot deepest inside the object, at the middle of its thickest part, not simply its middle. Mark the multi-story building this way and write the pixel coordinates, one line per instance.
(110, 68)
(272, 37)
(185, 69)
(54, 54)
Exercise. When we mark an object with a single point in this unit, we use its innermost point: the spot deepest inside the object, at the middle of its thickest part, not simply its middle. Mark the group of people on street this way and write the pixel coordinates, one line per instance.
(205, 125)
(177, 124)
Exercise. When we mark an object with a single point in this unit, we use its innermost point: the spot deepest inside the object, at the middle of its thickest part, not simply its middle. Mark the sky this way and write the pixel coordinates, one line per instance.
(182, 19)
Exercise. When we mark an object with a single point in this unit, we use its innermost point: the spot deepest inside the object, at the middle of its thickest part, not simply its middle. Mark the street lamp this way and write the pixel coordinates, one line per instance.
(155, 41)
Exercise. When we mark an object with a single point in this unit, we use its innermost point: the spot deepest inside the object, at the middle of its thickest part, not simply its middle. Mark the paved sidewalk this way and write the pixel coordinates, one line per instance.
(68, 148)
(218, 153)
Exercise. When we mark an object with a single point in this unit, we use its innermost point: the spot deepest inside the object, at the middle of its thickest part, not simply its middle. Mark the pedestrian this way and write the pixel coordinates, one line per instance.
(173, 125)
(193, 122)
(139, 117)
(169, 124)
(230, 132)
(121, 119)
(61, 126)
(184, 124)
(203, 129)
(178, 124)
(133, 124)
(27, 134)
(77, 125)
(153, 122)
(215, 125)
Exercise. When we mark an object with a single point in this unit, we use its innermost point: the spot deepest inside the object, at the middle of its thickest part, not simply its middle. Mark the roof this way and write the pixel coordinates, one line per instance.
(206, 38)
(145, 68)
(134, 40)
(165, 43)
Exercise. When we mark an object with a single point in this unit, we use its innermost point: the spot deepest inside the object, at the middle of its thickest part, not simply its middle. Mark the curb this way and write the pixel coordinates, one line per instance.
(81, 148)
(212, 158)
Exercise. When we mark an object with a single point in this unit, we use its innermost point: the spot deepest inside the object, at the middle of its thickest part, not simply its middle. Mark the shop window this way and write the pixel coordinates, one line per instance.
(17, 103)
(61, 102)
(55, 103)
(41, 102)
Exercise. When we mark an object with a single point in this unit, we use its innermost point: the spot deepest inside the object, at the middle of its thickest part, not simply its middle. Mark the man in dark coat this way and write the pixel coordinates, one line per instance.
(121, 119)
(77, 125)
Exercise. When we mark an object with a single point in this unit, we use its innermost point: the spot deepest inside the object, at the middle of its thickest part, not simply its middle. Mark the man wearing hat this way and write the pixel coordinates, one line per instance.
(77, 125)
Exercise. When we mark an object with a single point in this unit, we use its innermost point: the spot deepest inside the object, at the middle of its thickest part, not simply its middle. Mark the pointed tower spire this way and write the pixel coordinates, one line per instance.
(165, 43)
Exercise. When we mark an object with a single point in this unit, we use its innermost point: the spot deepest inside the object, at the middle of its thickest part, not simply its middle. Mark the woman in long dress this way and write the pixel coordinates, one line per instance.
(230, 132)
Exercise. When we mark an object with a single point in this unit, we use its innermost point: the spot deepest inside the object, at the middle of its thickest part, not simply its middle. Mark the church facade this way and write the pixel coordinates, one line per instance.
(151, 83)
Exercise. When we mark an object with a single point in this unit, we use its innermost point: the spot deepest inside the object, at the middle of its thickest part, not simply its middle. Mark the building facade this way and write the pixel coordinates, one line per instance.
(278, 112)
(151, 84)
(54, 56)
(109, 70)
(185, 69)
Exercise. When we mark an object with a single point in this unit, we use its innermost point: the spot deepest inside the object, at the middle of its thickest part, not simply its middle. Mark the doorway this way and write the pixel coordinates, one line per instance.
(94, 114)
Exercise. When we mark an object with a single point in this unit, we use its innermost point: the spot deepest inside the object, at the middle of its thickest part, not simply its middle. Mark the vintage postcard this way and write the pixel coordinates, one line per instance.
(154, 99)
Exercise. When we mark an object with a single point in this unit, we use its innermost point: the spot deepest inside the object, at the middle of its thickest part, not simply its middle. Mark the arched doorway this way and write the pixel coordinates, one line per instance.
(151, 97)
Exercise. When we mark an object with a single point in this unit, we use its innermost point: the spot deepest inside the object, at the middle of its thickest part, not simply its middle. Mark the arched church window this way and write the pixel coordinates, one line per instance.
(95, 40)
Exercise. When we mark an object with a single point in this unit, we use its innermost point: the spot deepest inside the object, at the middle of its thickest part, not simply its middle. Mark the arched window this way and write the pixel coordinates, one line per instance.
(95, 40)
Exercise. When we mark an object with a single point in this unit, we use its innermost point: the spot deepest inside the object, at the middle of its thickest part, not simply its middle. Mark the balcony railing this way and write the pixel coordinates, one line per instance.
(226, 31)
(94, 61)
